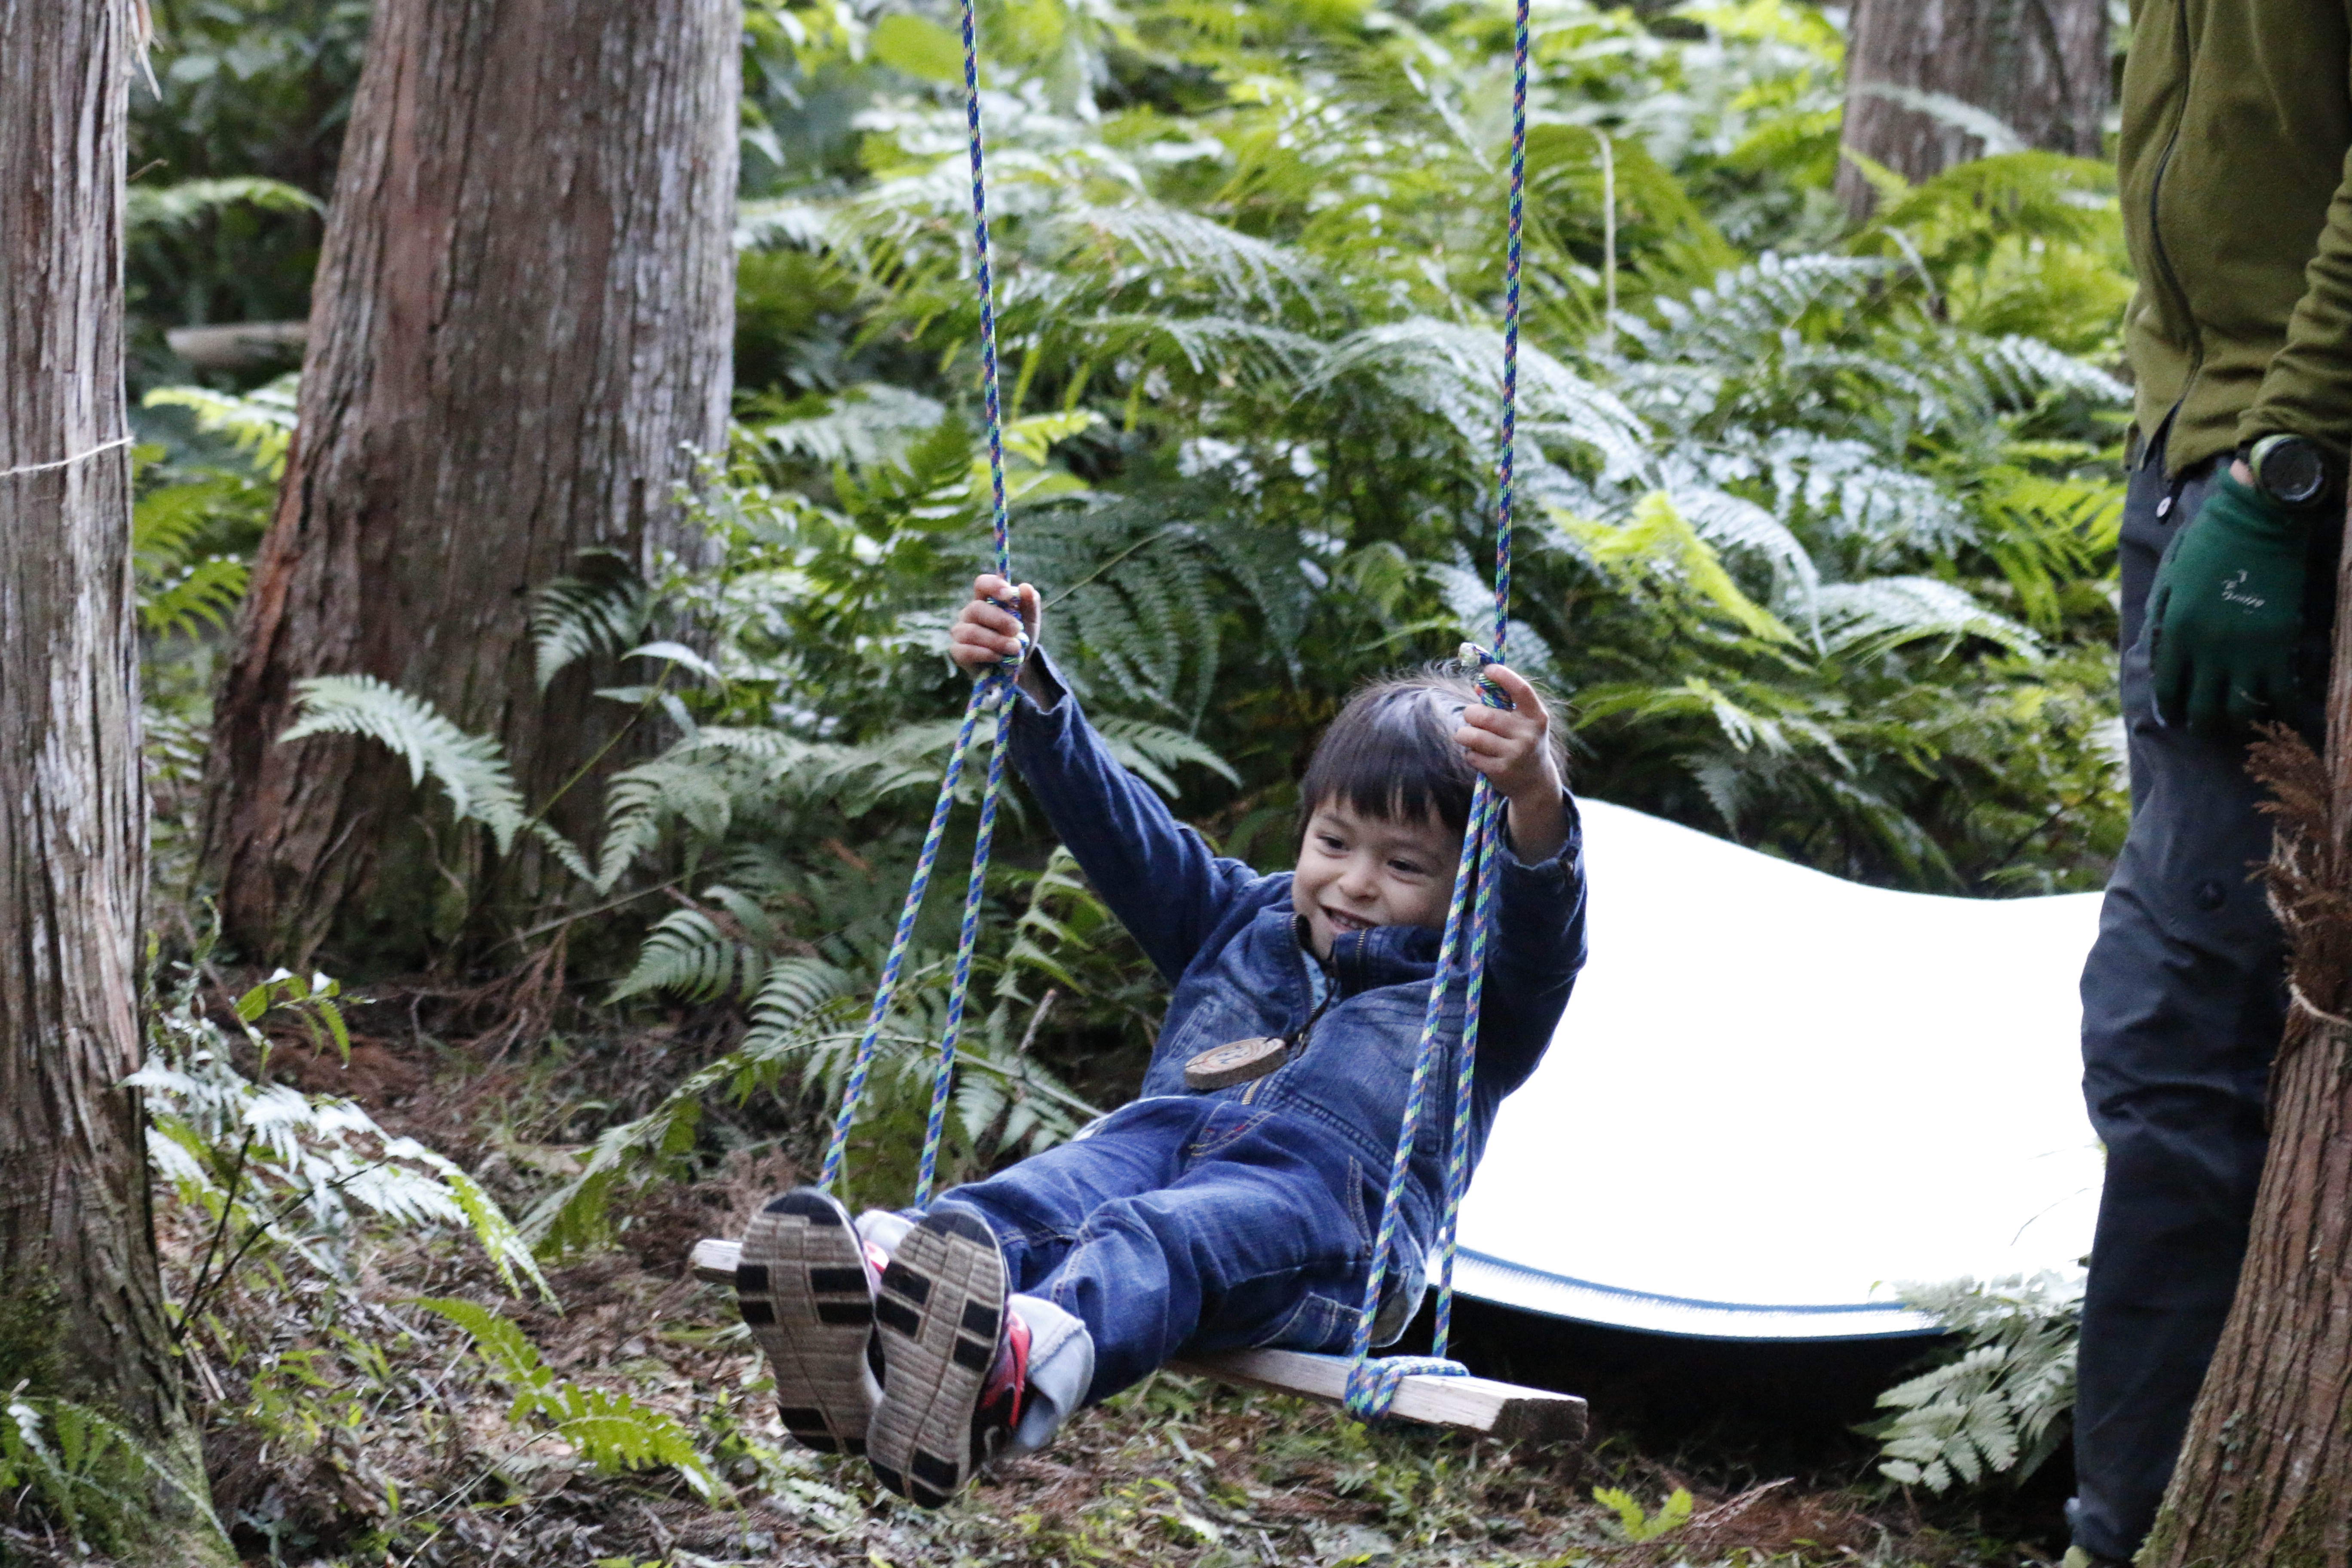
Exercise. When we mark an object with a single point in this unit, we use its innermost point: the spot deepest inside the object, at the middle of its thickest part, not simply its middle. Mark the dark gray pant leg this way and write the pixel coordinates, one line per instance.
(2183, 999)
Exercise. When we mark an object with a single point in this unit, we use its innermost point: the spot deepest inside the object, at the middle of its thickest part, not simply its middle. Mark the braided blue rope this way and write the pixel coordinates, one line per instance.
(997, 519)
(862, 1064)
(993, 692)
(959, 986)
(1372, 1384)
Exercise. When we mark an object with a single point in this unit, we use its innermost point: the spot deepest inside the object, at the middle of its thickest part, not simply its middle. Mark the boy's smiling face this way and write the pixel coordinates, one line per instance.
(1357, 871)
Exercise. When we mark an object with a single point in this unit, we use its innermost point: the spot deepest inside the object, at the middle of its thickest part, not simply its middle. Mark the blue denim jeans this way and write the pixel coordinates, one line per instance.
(1186, 1223)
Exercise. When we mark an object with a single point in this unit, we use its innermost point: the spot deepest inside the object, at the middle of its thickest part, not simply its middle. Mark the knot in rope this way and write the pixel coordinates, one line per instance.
(1372, 1384)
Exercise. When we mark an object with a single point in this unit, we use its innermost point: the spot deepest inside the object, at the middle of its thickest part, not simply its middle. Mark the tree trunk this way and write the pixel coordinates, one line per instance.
(523, 315)
(81, 1308)
(2266, 1469)
(2039, 67)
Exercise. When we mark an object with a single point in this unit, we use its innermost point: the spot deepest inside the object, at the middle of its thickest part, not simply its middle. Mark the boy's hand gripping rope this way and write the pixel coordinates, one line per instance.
(993, 693)
(1372, 1384)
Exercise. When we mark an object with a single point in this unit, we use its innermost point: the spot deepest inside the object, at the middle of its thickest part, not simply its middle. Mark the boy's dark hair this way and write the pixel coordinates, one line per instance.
(1390, 752)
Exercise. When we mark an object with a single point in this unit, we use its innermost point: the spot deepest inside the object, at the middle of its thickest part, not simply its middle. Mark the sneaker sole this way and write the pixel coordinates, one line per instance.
(803, 1291)
(939, 1313)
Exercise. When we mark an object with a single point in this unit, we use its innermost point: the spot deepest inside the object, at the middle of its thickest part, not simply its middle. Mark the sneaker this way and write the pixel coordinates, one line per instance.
(805, 1287)
(955, 1359)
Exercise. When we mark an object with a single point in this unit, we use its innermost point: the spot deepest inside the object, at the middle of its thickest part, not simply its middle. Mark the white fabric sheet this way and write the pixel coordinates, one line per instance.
(1777, 1093)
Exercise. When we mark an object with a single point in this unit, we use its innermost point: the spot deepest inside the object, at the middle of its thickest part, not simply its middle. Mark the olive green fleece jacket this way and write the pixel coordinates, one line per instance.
(2236, 166)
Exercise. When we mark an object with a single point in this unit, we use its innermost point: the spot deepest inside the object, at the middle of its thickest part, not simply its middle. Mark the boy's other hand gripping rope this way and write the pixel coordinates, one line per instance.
(1372, 1384)
(994, 692)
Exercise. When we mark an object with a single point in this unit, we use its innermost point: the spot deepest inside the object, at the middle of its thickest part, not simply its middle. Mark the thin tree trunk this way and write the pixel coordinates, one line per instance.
(2039, 67)
(2264, 1478)
(522, 317)
(79, 1297)
(2266, 1468)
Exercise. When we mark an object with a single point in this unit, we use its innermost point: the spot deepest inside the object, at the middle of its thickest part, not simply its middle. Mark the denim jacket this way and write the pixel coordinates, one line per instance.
(1226, 939)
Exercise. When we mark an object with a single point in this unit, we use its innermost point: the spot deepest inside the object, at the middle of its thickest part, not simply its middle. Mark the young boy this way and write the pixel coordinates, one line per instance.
(1194, 1219)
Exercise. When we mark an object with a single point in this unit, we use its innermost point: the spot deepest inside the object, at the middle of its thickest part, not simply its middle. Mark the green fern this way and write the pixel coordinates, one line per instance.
(87, 1473)
(609, 1430)
(1866, 619)
(183, 589)
(260, 423)
(602, 609)
(177, 205)
(1998, 1408)
(271, 1167)
(1635, 1523)
(691, 954)
(471, 769)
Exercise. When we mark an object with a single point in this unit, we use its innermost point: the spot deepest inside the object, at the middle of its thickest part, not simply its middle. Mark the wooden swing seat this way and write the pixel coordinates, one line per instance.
(1502, 1410)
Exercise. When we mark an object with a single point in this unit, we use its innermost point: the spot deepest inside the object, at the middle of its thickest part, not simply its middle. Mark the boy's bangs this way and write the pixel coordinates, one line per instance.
(1390, 753)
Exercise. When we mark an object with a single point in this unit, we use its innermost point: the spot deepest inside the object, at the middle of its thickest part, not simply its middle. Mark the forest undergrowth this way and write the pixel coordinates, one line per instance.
(346, 1421)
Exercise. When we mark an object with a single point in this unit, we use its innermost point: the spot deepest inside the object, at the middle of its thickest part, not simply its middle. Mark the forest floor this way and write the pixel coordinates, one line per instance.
(347, 1425)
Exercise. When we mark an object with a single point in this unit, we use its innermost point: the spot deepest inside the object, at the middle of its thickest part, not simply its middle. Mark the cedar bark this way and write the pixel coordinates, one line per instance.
(2264, 1478)
(2040, 67)
(523, 316)
(84, 1306)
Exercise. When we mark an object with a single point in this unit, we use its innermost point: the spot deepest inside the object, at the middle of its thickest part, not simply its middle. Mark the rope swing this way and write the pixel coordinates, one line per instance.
(1368, 1386)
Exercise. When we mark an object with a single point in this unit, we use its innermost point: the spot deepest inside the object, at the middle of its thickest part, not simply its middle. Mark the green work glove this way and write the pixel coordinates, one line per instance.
(2226, 609)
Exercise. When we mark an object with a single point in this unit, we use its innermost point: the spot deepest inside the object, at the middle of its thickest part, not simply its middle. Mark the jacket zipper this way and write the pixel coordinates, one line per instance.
(1330, 994)
(2156, 220)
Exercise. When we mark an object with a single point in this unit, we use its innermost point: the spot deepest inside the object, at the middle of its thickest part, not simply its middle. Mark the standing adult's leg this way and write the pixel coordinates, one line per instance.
(2183, 1000)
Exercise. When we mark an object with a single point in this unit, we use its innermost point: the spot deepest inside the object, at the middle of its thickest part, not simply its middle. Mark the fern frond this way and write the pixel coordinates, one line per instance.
(688, 954)
(92, 1473)
(787, 221)
(609, 1430)
(602, 609)
(1848, 490)
(869, 424)
(1868, 619)
(1149, 751)
(1996, 134)
(1658, 539)
(2023, 366)
(689, 782)
(202, 593)
(1737, 323)
(177, 205)
(260, 423)
(1251, 352)
(472, 769)
(1729, 521)
(1998, 1408)
(1456, 373)
(1169, 240)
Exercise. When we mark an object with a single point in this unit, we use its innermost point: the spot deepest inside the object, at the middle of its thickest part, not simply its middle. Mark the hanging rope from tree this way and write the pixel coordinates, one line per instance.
(992, 695)
(1372, 1383)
